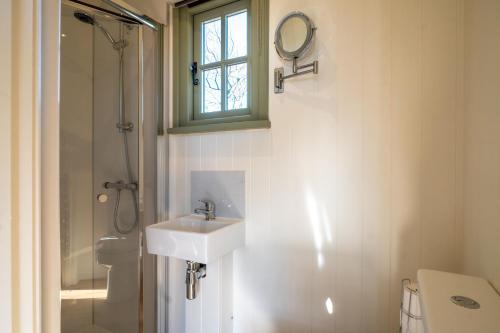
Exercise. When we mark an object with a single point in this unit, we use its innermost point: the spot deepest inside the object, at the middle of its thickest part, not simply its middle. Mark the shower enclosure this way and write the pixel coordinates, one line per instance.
(110, 88)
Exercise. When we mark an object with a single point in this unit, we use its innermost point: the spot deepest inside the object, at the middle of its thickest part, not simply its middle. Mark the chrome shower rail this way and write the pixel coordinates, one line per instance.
(127, 14)
(141, 18)
(131, 14)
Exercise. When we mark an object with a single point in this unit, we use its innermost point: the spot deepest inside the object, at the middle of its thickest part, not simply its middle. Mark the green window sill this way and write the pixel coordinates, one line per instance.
(218, 127)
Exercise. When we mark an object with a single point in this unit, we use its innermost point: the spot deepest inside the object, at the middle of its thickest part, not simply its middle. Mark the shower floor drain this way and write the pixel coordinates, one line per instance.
(465, 302)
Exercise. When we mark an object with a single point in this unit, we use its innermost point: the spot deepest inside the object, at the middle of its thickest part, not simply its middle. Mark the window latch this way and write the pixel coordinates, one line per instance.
(194, 70)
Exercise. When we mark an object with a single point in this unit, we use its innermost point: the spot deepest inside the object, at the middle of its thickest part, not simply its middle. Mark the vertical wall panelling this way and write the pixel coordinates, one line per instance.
(6, 145)
(460, 136)
(406, 176)
(224, 149)
(178, 204)
(349, 16)
(357, 184)
(376, 166)
(482, 140)
(208, 152)
(20, 170)
(439, 126)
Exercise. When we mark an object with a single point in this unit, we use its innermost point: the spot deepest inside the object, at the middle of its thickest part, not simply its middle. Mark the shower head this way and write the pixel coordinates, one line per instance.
(84, 17)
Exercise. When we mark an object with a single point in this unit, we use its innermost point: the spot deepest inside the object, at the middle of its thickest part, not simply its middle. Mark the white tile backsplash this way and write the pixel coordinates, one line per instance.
(225, 188)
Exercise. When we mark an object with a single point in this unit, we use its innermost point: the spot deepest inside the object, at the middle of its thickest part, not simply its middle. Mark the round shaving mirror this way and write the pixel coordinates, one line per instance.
(293, 36)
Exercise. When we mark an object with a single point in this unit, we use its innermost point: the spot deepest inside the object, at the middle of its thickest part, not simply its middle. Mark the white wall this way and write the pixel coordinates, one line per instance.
(358, 183)
(482, 140)
(20, 167)
(5, 168)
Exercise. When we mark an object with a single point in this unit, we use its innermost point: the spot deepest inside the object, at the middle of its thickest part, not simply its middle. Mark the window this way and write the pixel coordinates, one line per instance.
(220, 52)
(220, 66)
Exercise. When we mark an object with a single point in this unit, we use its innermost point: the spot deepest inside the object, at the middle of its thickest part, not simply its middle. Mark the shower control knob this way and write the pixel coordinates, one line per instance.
(102, 197)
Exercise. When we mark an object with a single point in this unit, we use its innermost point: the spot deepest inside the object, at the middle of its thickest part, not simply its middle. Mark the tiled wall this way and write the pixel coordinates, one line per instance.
(358, 183)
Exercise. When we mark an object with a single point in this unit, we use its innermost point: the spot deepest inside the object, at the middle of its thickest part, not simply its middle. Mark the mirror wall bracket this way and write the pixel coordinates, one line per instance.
(297, 70)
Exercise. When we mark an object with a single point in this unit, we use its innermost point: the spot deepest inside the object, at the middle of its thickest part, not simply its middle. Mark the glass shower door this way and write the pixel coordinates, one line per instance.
(100, 229)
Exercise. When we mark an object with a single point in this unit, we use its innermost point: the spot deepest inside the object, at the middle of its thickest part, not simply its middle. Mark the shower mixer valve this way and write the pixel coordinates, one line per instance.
(121, 186)
(125, 127)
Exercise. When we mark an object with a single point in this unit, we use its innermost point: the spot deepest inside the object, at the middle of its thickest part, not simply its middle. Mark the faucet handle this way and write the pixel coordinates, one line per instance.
(209, 204)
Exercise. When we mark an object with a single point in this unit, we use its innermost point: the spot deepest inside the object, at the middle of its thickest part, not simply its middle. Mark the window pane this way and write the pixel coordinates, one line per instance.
(237, 88)
(237, 35)
(211, 101)
(211, 44)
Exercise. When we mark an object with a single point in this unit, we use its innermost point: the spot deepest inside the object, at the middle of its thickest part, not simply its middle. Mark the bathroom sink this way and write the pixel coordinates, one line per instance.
(193, 238)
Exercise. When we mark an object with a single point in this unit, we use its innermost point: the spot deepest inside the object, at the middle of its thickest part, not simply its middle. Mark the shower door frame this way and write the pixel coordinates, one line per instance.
(50, 145)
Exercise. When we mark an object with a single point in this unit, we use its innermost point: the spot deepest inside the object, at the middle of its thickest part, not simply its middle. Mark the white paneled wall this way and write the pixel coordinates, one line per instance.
(358, 183)
(482, 140)
(20, 107)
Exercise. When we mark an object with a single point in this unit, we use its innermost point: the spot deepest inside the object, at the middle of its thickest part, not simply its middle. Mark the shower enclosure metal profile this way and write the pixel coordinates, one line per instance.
(111, 102)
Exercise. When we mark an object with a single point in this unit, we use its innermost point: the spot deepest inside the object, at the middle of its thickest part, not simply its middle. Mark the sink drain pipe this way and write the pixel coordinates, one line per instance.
(194, 272)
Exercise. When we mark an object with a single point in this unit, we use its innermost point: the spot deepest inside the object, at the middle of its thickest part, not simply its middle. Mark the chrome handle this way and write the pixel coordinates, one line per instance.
(209, 205)
(120, 186)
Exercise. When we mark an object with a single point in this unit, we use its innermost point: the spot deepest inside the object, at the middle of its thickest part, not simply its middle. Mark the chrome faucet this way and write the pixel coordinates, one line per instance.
(208, 210)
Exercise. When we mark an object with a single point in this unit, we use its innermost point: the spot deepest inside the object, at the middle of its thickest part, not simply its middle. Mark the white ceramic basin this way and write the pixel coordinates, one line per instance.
(192, 238)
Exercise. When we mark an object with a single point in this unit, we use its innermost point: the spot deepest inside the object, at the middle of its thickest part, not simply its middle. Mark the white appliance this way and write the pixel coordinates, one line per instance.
(454, 303)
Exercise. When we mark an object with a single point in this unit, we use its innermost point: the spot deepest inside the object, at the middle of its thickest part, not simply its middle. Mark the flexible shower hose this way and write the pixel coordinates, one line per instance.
(130, 179)
(118, 194)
